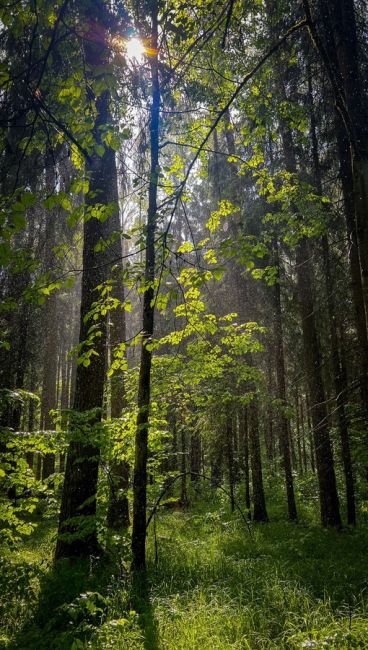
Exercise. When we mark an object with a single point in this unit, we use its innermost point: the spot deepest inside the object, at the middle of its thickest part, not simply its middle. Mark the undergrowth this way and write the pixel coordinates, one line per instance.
(210, 586)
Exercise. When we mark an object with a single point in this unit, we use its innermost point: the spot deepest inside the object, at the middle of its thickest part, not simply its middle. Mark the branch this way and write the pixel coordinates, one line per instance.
(296, 27)
(52, 41)
(228, 19)
(42, 106)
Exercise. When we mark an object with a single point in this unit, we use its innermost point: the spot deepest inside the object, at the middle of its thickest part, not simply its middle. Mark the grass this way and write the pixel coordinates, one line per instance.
(213, 587)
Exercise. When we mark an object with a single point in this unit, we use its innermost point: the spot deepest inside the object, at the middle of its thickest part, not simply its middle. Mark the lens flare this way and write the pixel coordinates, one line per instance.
(135, 50)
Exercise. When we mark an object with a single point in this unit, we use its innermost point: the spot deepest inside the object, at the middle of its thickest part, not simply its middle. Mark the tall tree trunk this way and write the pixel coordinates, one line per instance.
(281, 392)
(48, 400)
(340, 388)
(339, 18)
(356, 281)
(245, 308)
(329, 501)
(336, 40)
(334, 344)
(64, 398)
(144, 388)
(77, 533)
(118, 508)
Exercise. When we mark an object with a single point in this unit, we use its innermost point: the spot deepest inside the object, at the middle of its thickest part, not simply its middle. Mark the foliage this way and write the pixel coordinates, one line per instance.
(213, 587)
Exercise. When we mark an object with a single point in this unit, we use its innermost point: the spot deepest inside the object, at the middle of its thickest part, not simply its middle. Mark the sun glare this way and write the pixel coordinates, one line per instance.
(135, 50)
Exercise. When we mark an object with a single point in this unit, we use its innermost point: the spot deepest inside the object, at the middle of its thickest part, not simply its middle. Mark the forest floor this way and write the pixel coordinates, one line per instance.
(211, 587)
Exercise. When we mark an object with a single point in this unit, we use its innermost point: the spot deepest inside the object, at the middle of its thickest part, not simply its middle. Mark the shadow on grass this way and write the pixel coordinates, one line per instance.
(71, 604)
(326, 564)
(141, 603)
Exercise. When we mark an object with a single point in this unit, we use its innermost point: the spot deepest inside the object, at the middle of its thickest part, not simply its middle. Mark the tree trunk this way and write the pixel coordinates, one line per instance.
(269, 428)
(141, 439)
(195, 456)
(334, 344)
(48, 400)
(183, 465)
(342, 52)
(329, 501)
(356, 282)
(118, 508)
(77, 533)
(259, 502)
(281, 393)
(243, 433)
(230, 459)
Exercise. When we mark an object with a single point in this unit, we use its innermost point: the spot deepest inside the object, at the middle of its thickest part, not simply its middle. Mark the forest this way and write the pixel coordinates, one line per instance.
(183, 324)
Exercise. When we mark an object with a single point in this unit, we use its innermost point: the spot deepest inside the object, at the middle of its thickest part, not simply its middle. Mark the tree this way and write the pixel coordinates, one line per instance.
(141, 440)
(77, 525)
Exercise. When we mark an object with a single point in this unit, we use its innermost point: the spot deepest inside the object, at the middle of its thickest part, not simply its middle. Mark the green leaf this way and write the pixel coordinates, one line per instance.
(187, 247)
(218, 273)
(100, 150)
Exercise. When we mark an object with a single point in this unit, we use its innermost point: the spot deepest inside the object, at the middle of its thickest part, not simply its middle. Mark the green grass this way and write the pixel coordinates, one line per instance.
(213, 588)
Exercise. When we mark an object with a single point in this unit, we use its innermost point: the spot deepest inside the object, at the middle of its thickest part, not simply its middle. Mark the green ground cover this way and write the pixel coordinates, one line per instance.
(211, 587)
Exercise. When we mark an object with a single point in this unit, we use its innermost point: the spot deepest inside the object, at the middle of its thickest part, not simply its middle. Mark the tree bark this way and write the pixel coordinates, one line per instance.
(259, 502)
(339, 387)
(243, 432)
(183, 465)
(329, 501)
(118, 508)
(230, 459)
(144, 388)
(346, 177)
(77, 534)
(281, 393)
(195, 456)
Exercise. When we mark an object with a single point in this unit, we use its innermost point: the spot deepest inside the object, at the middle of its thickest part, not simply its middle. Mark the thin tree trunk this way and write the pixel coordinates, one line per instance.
(269, 428)
(31, 412)
(141, 439)
(230, 459)
(48, 400)
(216, 467)
(118, 508)
(259, 502)
(281, 393)
(329, 501)
(183, 465)
(310, 434)
(195, 456)
(243, 432)
(299, 436)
